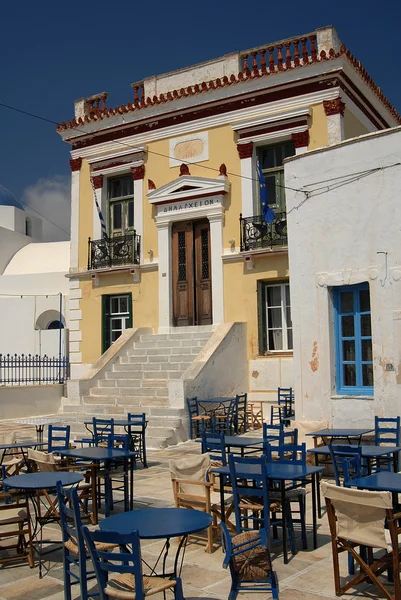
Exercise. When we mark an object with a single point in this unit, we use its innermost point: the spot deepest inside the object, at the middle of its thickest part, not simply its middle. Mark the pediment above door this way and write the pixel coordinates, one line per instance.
(189, 187)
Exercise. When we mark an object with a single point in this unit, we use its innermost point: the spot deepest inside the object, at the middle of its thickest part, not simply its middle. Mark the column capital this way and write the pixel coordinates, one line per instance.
(300, 139)
(76, 164)
(245, 150)
(334, 107)
(138, 172)
(97, 181)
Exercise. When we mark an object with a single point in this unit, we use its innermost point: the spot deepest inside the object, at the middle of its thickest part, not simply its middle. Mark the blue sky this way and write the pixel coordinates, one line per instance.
(56, 52)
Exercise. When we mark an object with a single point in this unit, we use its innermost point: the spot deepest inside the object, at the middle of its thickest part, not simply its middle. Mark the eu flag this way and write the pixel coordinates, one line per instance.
(267, 212)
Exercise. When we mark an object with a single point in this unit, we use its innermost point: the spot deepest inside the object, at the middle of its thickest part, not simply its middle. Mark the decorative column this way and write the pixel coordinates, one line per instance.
(75, 164)
(165, 281)
(334, 110)
(245, 152)
(138, 175)
(98, 185)
(216, 258)
(301, 141)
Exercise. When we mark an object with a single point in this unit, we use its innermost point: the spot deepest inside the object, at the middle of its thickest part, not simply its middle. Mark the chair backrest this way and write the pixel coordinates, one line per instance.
(137, 417)
(270, 431)
(287, 454)
(102, 428)
(278, 415)
(120, 442)
(192, 468)
(214, 444)
(360, 514)
(193, 406)
(250, 491)
(338, 452)
(58, 437)
(70, 517)
(285, 397)
(43, 461)
(241, 412)
(244, 543)
(288, 437)
(351, 468)
(106, 562)
(387, 431)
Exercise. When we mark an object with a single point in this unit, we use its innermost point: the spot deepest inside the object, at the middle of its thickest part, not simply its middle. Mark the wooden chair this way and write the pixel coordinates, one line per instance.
(196, 421)
(254, 414)
(75, 554)
(119, 574)
(338, 452)
(248, 557)
(15, 524)
(358, 518)
(228, 421)
(58, 438)
(193, 489)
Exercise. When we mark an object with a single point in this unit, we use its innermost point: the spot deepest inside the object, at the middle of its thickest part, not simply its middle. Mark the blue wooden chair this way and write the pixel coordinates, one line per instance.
(240, 417)
(227, 422)
(75, 555)
(119, 575)
(285, 396)
(351, 468)
(139, 437)
(291, 454)
(278, 415)
(102, 429)
(195, 419)
(252, 502)
(248, 557)
(215, 445)
(387, 433)
(340, 451)
(58, 438)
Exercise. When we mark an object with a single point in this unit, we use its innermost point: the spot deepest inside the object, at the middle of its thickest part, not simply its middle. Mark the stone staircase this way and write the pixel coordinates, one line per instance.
(137, 381)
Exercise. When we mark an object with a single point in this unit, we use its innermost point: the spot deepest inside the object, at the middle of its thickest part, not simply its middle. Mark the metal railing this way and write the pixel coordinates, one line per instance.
(255, 233)
(24, 369)
(116, 251)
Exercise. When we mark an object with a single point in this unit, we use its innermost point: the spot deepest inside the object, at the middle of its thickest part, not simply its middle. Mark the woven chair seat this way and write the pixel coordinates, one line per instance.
(13, 515)
(255, 504)
(200, 417)
(72, 546)
(253, 564)
(123, 586)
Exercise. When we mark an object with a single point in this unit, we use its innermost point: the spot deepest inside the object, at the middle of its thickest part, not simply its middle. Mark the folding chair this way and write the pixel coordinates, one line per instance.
(119, 575)
(358, 518)
(254, 414)
(15, 524)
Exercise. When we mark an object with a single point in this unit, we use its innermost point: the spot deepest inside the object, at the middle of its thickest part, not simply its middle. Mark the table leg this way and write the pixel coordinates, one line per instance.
(126, 499)
(131, 491)
(183, 543)
(144, 461)
(284, 518)
(315, 490)
(94, 493)
(39, 433)
(395, 462)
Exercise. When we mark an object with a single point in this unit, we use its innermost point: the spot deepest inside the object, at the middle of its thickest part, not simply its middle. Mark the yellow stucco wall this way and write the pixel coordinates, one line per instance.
(352, 126)
(240, 291)
(144, 307)
(318, 134)
(85, 214)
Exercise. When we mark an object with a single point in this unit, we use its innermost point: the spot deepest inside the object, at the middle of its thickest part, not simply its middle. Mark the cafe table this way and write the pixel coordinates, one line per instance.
(160, 523)
(131, 427)
(40, 423)
(242, 442)
(382, 481)
(18, 447)
(329, 434)
(369, 453)
(96, 456)
(280, 472)
(32, 484)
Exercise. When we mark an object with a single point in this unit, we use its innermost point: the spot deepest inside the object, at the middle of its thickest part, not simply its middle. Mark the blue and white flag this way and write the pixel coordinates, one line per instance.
(268, 214)
(99, 212)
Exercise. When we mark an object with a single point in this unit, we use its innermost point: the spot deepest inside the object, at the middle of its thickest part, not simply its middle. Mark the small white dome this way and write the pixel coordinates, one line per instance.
(47, 257)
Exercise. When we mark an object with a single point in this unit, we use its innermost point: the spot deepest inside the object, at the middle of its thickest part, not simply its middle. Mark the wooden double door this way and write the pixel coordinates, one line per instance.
(192, 281)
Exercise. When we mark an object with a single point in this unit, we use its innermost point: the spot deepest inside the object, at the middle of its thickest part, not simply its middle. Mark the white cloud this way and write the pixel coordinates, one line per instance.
(52, 199)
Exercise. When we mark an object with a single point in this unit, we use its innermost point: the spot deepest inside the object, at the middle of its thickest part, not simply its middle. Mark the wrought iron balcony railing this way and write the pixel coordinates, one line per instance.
(256, 234)
(114, 252)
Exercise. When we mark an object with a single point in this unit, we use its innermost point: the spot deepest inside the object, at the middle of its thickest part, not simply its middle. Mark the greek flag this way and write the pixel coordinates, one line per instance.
(267, 212)
(99, 212)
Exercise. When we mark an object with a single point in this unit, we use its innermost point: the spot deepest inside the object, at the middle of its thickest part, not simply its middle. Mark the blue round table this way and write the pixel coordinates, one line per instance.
(159, 523)
(42, 481)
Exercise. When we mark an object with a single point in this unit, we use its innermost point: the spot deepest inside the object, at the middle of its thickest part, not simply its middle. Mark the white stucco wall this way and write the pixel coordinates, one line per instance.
(337, 236)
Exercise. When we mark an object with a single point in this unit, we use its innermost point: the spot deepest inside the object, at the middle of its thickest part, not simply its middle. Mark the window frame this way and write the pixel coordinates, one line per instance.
(359, 389)
(263, 313)
(107, 316)
(125, 202)
(277, 172)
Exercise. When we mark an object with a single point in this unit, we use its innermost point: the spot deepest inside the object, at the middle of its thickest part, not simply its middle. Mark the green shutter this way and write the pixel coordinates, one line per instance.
(130, 309)
(262, 328)
(105, 323)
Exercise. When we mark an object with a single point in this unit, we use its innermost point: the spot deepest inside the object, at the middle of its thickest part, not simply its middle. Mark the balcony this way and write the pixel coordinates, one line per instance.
(256, 234)
(118, 251)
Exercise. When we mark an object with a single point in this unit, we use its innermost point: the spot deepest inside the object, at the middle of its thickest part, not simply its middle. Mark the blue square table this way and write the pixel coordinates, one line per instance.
(281, 473)
(383, 481)
(340, 434)
(97, 456)
(368, 452)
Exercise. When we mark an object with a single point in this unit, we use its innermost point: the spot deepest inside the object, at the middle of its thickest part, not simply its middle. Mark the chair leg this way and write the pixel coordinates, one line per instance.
(67, 576)
(178, 592)
(302, 510)
(274, 584)
(290, 527)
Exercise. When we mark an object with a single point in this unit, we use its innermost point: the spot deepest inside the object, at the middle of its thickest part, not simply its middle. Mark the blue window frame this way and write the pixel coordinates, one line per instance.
(354, 355)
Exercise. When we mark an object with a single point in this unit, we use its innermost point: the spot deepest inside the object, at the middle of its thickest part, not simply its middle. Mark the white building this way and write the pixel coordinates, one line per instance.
(33, 285)
(344, 236)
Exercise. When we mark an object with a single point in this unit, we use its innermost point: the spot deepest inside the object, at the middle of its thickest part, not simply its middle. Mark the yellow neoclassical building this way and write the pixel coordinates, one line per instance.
(175, 175)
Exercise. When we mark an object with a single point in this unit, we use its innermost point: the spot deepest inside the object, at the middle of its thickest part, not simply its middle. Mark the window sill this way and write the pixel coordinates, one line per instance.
(351, 397)
(278, 354)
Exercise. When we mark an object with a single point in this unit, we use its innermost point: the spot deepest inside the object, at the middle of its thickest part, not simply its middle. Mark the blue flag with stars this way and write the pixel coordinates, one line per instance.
(267, 212)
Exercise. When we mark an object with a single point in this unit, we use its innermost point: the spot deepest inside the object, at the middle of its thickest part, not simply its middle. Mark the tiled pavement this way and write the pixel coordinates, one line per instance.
(308, 575)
